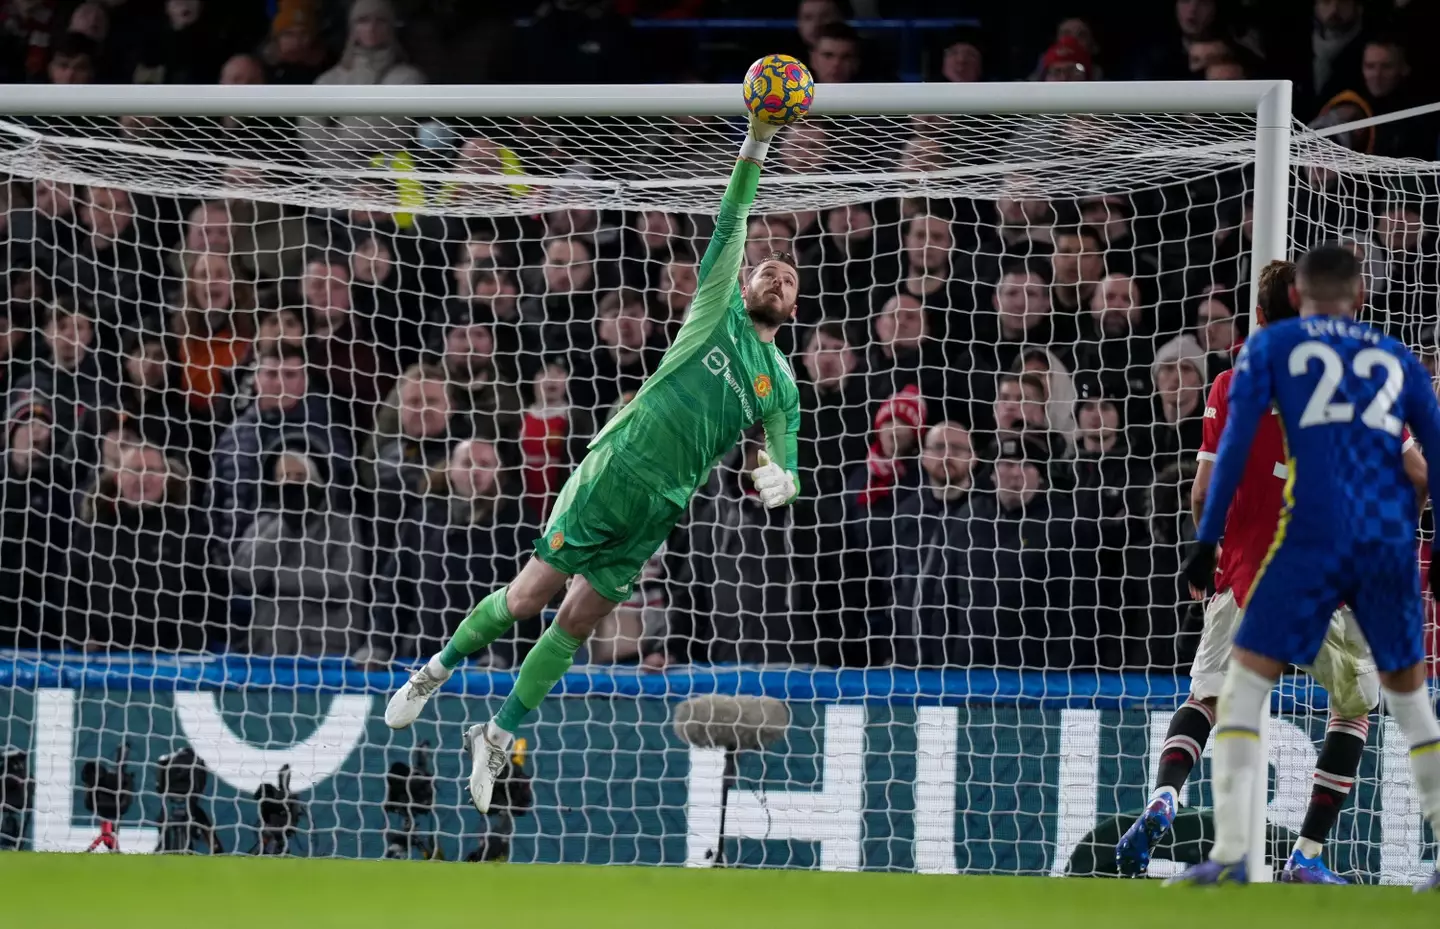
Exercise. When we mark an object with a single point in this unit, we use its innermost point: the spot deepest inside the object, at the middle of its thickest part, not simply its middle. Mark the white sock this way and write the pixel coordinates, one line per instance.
(1415, 715)
(1243, 698)
(1164, 792)
(1308, 847)
(436, 669)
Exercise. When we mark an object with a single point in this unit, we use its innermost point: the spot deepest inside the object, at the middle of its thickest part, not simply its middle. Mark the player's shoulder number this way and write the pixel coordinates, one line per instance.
(1321, 408)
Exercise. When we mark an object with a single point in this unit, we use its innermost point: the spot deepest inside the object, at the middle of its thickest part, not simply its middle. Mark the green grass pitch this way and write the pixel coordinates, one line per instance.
(120, 892)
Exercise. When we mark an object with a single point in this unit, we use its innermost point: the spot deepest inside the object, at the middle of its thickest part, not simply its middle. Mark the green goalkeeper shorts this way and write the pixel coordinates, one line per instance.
(605, 526)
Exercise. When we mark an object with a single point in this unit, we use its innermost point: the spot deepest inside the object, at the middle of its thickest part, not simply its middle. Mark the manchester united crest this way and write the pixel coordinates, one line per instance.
(557, 540)
(762, 386)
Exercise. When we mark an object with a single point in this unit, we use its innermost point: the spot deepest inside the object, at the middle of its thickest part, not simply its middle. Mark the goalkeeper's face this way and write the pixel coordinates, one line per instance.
(771, 292)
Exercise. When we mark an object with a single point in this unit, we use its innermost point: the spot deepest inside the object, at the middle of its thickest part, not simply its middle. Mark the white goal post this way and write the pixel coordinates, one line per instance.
(1077, 142)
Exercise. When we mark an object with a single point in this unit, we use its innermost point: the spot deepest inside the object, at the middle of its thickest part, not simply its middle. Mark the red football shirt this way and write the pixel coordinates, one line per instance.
(1250, 524)
(1255, 509)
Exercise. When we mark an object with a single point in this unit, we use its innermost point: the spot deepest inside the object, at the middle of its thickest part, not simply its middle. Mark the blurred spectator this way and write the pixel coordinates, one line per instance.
(1388, 88)
(412, 436)
(623, 357)
(285, 326)
(962, 58)
(835, 56)
(27, 31)
(138, 576)
(114, 263)
(1022, 589)
(872, 491)
(929, 275)
(17, 324)
(847, 254)
(580, 42)
(739, 572)
(1080, 30)
(92, 20)
(1067, 60)
(242, 70)
(1111, 482)
(286, 405)
(833, 398)
(302, 562)
(679, 279)
(833, 431)
(342, 346)
(1196, 21)
(148, 402)
(75, 59)
(545, 431)
(563, 310)
(293, 54)
(1217, 330)
(373, 55)
(811, 16)
(904, 354)
(71, 374)
(464, 536)
(1117, 344)
(1024, 223)
(1337, 47)
(390, 295)
(34, 521)
(1180, 376)
(1020, 412)
(213, 321)
(1406, 291)
(484, 396)
(45, 233)
(928, 527)
(1021, 316)
(188, 49)
(1078, 265)
(1058, 392)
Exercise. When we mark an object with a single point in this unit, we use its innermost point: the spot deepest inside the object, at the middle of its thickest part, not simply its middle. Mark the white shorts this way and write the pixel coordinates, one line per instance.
(1344, 666)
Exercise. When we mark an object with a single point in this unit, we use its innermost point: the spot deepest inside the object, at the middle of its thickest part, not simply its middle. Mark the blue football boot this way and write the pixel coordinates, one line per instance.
(1302, 870)
(1212, 874)
(1132, 852)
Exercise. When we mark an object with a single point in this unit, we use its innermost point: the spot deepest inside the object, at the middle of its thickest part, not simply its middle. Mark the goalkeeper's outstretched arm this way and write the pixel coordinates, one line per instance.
(720, 267)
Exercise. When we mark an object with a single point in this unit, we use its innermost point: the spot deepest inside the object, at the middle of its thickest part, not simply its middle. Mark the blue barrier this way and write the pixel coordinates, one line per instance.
(896, 686)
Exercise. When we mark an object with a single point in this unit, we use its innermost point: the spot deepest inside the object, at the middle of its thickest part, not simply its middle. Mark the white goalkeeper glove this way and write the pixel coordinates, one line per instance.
(773, 483)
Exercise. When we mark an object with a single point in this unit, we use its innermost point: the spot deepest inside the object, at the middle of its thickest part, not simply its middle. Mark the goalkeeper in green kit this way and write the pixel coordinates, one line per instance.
(722, 374)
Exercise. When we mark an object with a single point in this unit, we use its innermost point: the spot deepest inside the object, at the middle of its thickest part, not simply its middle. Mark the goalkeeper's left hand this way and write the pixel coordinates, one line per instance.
(773, 483)
(762, 131)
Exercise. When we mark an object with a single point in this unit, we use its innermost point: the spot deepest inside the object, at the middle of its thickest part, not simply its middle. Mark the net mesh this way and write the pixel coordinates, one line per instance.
(285, 399)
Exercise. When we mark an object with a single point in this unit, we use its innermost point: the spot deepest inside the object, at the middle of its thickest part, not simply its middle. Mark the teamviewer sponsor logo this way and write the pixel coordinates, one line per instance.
(718, 363)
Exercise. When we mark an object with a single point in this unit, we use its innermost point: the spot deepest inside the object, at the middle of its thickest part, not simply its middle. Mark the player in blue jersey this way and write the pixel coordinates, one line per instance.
(1344, 393)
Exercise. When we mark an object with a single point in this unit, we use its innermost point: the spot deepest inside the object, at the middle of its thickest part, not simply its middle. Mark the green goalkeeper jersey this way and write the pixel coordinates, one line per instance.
(716, 380)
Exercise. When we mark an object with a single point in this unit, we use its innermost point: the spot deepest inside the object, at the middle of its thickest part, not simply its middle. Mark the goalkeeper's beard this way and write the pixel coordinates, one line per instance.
(764, 311)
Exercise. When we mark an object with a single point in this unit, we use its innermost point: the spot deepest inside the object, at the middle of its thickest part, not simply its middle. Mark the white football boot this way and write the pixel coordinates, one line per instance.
(489, 748)
(412, 696)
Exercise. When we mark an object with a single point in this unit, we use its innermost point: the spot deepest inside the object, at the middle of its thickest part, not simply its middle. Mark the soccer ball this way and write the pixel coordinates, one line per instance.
(778, 90)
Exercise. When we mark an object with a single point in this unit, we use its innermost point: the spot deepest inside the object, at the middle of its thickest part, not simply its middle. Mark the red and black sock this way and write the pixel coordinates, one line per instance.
(1184, 742)
(1335, 772)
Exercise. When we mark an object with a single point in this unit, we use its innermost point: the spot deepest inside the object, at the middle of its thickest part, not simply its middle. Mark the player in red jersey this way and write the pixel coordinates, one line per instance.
(1344, 666)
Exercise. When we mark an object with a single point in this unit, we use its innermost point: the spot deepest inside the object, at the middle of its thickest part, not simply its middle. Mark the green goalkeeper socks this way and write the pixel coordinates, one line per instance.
(486, 623)
(541, 671)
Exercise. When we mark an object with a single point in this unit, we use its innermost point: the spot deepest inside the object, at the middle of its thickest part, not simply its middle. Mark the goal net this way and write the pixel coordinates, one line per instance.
(285, 397)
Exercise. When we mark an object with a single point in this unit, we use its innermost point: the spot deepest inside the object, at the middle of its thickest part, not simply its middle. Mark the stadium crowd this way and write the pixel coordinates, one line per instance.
(231, 424)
